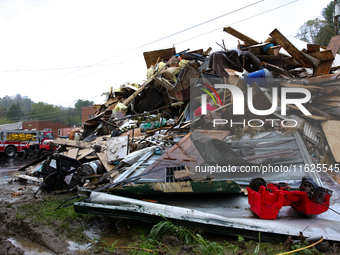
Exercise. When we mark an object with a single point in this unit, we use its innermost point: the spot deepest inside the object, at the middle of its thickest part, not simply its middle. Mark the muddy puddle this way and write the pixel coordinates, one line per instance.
(10, 190)
(103, 234)
(29, 247)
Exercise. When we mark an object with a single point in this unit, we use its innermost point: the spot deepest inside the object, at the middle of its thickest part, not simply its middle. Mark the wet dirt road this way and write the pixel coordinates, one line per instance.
(8, 168)
(16, 192)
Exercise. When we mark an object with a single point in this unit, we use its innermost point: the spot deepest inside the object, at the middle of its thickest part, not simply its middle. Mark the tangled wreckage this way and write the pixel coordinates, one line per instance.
(156, 150)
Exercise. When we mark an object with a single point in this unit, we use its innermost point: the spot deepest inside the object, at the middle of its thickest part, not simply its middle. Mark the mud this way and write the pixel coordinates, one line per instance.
(6, 247)
(40, 234)
(17, 193)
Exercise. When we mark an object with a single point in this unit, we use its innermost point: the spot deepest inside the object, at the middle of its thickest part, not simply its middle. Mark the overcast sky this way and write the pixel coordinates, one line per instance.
(58, 51)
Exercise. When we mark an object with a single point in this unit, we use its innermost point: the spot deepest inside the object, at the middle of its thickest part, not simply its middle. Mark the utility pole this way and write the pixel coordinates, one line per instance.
(336, 16)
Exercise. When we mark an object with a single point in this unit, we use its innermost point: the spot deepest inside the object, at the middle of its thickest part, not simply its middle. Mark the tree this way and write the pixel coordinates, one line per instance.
(3, 112)
(14, 112)
(6, 101)
(82, 103)
(319, 30)
(78, 106)
(43, 111)
(310, 29)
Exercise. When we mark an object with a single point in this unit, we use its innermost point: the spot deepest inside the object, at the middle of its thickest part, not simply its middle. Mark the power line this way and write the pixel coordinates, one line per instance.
(221, 27)
(239, 21)
(202, 23)
(56, 116)
(64, 68)
(242, 8)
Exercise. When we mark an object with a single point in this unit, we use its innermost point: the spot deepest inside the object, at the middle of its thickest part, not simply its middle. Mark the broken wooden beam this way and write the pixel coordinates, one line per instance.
(247, 40)
(291, 49)
(72, 143)
(323, 55)
(325, 66)
(312, 48)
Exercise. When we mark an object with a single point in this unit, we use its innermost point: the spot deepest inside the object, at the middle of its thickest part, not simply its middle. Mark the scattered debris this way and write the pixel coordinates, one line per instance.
(167, 137)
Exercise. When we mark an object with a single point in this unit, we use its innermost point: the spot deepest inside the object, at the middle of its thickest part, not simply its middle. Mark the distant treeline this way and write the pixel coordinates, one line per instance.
(18, 108)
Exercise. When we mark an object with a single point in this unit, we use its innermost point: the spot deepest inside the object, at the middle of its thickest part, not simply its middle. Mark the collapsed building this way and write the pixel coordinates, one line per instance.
(151, 148)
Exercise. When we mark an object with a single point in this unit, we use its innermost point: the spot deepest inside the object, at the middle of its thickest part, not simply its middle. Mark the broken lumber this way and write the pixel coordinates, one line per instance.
(247, 40)
(72, 143)
(331, 129)
(325, 66)
(291, 49)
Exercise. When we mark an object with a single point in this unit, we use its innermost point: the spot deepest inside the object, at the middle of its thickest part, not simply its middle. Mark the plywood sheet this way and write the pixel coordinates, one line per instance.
(152, 56)
(84, 152)
(331, 129)
(103, 159)
(116, 148)
(72, 143)
(73, 153)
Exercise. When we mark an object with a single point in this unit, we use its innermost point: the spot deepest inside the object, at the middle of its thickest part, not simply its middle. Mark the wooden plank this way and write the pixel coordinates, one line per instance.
(237, 34)
(278, 60)
(116, 148)
(313, 48)
(334, 45)
(73, 153)
(328, 98)
(274, 50)
(315, 117)
(72, 143)
(152, 56)
(335, 104)
(291, 49)
(325, 66)
(84, 152)
(277, 69)
(331, 129)
(323, 55)
(103, 159)
(323, 78)
(330, 89)
(317, 111)
(312, 59)
(130, 98)
(30, 178)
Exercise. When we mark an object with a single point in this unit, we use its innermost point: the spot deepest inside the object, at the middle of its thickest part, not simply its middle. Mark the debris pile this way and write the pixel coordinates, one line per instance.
(144, 137)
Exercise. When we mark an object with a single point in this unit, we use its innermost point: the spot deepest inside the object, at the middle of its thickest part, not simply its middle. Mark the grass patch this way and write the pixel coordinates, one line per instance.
(64, 220)
(145, 238)
(183, 234)
(153, 243)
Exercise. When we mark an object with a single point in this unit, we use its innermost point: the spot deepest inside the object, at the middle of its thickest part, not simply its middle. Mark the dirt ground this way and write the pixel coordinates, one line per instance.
(37, 233)
(104, 236)
(13, 194)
